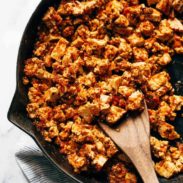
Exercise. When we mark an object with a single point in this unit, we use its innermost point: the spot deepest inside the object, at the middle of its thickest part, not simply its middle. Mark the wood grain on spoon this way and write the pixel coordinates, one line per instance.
(132, 136)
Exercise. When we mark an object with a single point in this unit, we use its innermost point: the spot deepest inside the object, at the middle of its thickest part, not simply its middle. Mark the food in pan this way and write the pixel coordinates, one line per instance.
(97, 60)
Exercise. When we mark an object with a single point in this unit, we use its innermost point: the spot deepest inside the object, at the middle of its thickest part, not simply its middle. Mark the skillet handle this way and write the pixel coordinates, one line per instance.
(17, 114)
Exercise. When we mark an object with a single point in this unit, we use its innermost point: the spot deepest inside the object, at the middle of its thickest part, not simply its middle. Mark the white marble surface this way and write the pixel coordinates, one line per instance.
(13, 18)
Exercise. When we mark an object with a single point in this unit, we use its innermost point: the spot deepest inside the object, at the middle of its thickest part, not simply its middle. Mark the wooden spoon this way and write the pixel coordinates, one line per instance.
(132, 136)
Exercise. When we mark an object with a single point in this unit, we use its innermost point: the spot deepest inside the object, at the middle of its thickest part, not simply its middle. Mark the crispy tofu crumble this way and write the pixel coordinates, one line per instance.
(96, 60)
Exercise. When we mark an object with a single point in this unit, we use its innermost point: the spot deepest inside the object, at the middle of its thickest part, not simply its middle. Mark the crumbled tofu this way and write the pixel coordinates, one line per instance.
(88, 111)
(52, 19)
(136, 40)
(165, 59)
(165, 168)
(122, 21)
(140, 54)
(115, 82)
(164, 6)
(126, 91)
(96, 60)
(87, 80)
(99, 161)
(119, 173)
(135, 101)
(77, 7)
(146, 28)
(159, 147)
(167, 131)
(59, 49)
(66, 130)
(53, 131)
(115, 114)
(31, 109)
(158, 80)
(164, 33)
(77, 162)
(164, 111)
(102, 66)
(176, 25)
(88, 150)
(152, 14)
(171, 164)
(52, 94)
(114, 8)
(176, 102)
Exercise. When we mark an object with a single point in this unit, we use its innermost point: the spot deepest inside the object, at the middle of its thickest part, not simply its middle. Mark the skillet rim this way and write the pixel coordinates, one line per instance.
(16, 101)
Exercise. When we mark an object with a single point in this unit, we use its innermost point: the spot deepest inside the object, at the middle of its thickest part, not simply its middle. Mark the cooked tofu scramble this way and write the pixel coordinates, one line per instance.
(97, 60)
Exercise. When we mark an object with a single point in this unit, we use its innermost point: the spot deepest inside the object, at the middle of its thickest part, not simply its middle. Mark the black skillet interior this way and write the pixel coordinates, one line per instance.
(18, 116)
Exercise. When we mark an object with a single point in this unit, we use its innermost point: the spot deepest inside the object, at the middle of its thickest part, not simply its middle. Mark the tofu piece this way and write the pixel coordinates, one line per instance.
(146, 28)
(167, 131)
(87, 80)
(59, 50)
(51, 95)
(125, 49)
(102, 66)
(77, 7)
(110, 52)
(157, 80)
(100, 147)
(32, 66)
(165, 168)
(104, 98)
(176, 102)
(164, 6)
(52, 19)
(119, 173)
(104, 102)
(113, 9)
(78, 162)
(171, 164)
(164, 33)
(71, 54)
(110, 147)
(167, 87)
(88, 111)
(135, 101)
(88, 150)
(133, 13)
(165, 59)
(176, 25)
(53, 132)
(126, 91)
(164, 111)
(31, 109)
(122, 21)
(99, 161)
(140, 54)
(152, 14)
(65, 130)
(115, 81)
(115, 113)
(159, 147)
(136, 40)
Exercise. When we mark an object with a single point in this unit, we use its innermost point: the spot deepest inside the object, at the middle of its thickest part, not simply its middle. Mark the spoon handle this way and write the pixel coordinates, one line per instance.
(143, 164)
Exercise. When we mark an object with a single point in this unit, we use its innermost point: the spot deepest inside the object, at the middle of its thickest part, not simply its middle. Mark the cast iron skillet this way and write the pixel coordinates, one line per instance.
(18, 115)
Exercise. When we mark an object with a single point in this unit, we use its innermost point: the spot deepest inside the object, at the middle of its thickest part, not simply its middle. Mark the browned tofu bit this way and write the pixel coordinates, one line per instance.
(119, 173)
(97, 61)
